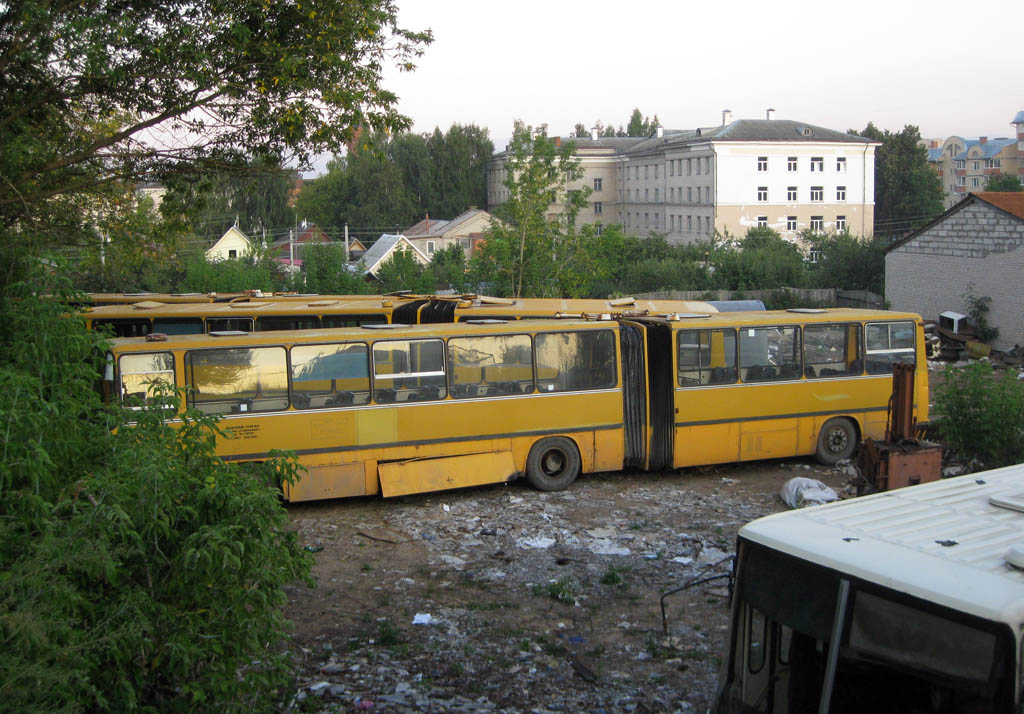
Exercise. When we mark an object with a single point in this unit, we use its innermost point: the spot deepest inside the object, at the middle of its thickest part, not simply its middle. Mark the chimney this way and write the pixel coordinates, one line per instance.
(769, 114)
(726, 116)
(593, 134)
(661, 131)
(426, 218)
(558, 141)
(983, 140)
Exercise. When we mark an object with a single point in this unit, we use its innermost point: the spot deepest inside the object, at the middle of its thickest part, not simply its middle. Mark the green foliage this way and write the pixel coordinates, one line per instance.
(534, 249)
(981, 415)
(448, 269)
(639, 125)
(1003, 182)
(106, 93)
(325, 271)
(564, 590)
(849, 263)
(978, 308)
(139, 571)
(403, 272)
(250, 272)
(764, 261)
(907, 192)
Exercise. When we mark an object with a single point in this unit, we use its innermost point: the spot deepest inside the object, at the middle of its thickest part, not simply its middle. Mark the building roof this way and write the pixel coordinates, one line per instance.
(990, 148)
(1019, 119)
(1008, 201)
(779, 130)
(426, 227)
(383, 247)
(935, 154)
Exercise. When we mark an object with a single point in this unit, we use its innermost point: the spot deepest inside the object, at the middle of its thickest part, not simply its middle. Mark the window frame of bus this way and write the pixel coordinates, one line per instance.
(160, 324)
(328, 320)
(537, 366)
(248, 402)
(808, 365)
(912, 350)
(740, 367)
(454, 387)
(145, 398)
(116, 322)
(422, 390)
(700, 368)
(313, 320)
(292, 393)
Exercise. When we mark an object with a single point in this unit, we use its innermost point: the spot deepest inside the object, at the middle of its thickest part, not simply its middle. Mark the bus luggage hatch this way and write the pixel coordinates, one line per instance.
(400, 478)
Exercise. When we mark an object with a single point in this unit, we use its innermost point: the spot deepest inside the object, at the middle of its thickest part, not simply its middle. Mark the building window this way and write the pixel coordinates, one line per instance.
(791, 164)
(672, 167)
(657, 194)
(707, 164)
(817, 223)
(647, 219)
(762, 193)
(657, 219)
(974, 165)
(841, 224)
(993, 163)
(689, 194)
(762, 163)
(840, 193)
(637, 198)
(817, 193)
(961, 180)
(689, 223)
(960, 164)
(974, 183)
(430, 247)
(689, 167)
(790, 223)
(647, 171)
(840, 164)
(698, 167)
(597, 208)
(707, 194)
(636, 172)
(707, 224)
(656, 171)
(598, 183)
(791, 193)
(647, 195)
(599, 228)
(817, 164)
(762, 221)
(232, 253)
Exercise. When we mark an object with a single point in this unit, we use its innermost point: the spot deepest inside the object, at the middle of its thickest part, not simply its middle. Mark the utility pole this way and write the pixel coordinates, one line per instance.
(346, 243)
(291, 249)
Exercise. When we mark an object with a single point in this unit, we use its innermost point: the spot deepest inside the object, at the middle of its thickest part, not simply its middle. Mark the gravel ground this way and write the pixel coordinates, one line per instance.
(505, 599)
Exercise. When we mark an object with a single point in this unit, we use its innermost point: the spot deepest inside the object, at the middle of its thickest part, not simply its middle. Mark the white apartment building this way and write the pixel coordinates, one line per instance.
(688, 185)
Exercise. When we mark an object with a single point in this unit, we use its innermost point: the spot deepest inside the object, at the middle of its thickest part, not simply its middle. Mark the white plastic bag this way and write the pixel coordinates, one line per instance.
(802, 491)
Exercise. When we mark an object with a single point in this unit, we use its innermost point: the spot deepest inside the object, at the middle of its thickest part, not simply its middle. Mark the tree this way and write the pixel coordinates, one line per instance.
(104, 93)
(403, 272)
(580, 131)
(520, 253)
(907, 192)
(850, 263)
(325, 270)
(640, 125)
(764, 261)
(1003, 182)
(448, 269)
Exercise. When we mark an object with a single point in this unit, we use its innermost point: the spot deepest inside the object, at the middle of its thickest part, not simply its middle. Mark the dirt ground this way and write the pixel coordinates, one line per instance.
(505, 599)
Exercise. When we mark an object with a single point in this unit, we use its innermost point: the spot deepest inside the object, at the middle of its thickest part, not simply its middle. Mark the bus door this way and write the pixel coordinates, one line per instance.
(647, 395)
(634, 395)
(661, 395)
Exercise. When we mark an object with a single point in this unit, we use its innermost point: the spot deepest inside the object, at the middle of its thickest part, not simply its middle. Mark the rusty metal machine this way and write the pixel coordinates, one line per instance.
(901, 459)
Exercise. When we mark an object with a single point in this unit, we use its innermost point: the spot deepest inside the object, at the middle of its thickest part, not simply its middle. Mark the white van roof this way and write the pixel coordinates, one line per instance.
(945, 542)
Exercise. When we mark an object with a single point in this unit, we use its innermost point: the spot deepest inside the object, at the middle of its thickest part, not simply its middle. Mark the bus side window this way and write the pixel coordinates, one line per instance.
(237, 380)
(330, 375)
(832, 350)
(769, 354)
(140, 374)
(706, 357)
(409, 371)
(230, 324)
(283, 322)
(490, 365)
(124, 328)
(758, 625)
(571, 361)
(887, 343)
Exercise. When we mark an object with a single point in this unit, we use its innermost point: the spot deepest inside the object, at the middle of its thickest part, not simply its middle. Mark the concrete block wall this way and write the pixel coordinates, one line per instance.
(978, 245)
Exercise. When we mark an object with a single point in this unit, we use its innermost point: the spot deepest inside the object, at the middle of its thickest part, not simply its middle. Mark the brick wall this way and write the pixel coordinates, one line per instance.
(978, 244)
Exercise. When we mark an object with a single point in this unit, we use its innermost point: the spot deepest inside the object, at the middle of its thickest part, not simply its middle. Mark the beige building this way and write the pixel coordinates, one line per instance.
(687, 185)
(965, 165)
(431, 235)
(233, 244)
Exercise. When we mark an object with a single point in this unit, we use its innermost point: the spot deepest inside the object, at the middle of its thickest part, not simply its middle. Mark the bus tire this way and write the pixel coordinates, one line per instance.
(837, 441)
(553, 464)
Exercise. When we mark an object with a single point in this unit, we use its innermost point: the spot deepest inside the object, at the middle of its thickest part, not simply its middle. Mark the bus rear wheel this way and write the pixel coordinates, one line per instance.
(553, 464)
(837, 441)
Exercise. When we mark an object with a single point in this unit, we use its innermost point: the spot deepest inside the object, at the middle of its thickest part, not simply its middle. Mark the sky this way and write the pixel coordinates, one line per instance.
(949, 68)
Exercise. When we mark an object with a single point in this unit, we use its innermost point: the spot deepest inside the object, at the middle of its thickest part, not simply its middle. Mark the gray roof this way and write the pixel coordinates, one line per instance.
(380, 248)
(1019, 119)
(462, 218)
(779, 130)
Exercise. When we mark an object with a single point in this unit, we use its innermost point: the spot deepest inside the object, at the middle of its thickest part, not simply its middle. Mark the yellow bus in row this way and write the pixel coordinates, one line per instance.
(395, 409)
(299, 312)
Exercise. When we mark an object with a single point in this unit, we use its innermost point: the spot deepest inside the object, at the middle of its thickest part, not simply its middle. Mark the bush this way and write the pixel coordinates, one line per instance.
(981, 415)
(138, 571)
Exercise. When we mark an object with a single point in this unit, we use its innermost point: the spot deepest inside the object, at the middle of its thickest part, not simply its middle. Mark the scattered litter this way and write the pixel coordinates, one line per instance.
(682, 560)
(536, 543)
(331, 668)
(800, 491)
(606, 547)
(384, 534)
(729, 480)
(364, 704)
(488, 532)
(313, 548)
(454, 561)
(319, 688)
(446, 508)
(602, 533)
(712, 555)
(422, 618)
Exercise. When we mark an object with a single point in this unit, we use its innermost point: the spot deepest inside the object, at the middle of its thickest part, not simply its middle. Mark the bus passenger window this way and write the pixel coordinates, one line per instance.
(491, 365)
(330, 375)
(570, 361)
(229, 324)
(832, 351)
(237, 380)
(178, 325)
(283, 322)
(706, 357)
(124, 328)
(888, 343)
(351, 320)
(769, 354)
(141, 374)
(757, 643)
(408, 371)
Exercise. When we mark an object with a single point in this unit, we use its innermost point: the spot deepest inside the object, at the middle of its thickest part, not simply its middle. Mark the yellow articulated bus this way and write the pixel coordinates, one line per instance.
(298, 312)
(395, 409)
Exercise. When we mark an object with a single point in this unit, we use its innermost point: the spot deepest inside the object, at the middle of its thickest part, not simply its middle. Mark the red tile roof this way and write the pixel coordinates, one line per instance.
(1005, 200)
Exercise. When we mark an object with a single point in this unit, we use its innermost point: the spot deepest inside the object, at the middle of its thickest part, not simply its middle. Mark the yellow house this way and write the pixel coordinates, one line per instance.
(233, 244)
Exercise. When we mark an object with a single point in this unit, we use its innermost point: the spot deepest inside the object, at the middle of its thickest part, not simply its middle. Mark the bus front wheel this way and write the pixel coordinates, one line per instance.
(837, 441)
(553, 464)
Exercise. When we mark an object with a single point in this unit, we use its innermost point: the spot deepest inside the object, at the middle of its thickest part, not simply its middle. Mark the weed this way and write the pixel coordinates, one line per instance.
(554, 649)
(389, 636)
(615, 576)
(564, 589)
(367, 567)
(524, 645)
